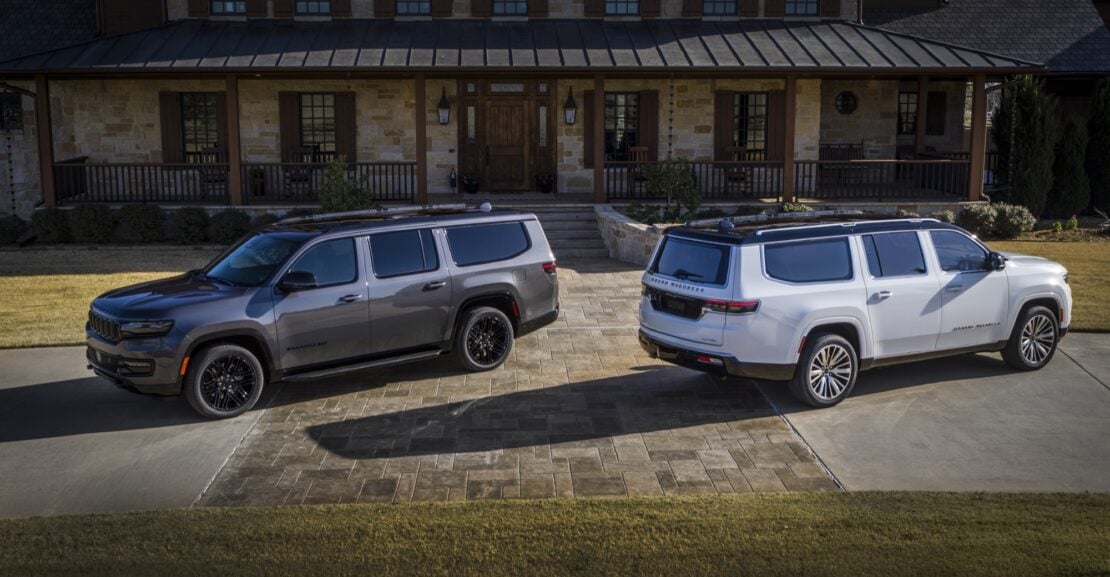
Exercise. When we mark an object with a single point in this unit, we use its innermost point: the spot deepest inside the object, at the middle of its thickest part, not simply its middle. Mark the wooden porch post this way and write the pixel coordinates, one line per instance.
(978, 153)
(234, 153)
(421, 142)
(46, 140)
(922, 114)
(599, 138)
(791, 104)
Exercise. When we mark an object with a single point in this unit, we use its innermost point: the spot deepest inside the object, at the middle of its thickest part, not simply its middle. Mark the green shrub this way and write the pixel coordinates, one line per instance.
(977, 219)
(339, 194)
(1071, 223)
(748, 210)
(674, 181)
(187, 226)
(228, 226)
(1025, 129)
(264, 219)
(141, 223)
(12, 228)
(1098, 147)
(1011, 220)
(906, 214)
(1057, 226)
(945, 216)
(711, 212)
(794, 207)
(91, 224)
(51, 226)
(1071, 189)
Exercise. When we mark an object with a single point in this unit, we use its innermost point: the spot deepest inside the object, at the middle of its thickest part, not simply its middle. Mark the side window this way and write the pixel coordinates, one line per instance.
(333, 262)
(404, 252)
(810, 261)
(894, 254)
(958, 253)
(484, 243)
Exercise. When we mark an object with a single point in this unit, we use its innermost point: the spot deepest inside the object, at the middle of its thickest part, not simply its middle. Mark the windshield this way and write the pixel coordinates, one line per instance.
(692, 261)
(254, 260)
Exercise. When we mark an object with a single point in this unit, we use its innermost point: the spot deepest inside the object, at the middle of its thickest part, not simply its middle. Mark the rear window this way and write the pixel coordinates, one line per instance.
(482, 243)
(693, 261)
(810, 261)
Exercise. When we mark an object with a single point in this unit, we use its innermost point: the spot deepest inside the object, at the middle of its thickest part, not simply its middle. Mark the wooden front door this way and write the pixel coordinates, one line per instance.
(506, 134)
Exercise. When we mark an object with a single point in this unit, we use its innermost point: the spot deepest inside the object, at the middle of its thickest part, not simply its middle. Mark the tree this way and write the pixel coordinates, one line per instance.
(1071, 191)
(1098, 147)
(339, 193)
(1025, 135)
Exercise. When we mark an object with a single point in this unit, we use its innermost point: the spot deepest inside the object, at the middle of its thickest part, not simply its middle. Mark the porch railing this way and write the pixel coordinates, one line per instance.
(742, 180)
(881, 179)
(990, 169)
(292, 183)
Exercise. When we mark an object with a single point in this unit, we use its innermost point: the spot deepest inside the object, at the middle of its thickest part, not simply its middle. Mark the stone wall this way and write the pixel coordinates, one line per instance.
(626, 239)
(873, 122)
(19, 162)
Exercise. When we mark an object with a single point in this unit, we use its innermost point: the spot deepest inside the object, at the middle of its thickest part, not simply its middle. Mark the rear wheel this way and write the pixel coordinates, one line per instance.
(223, 381)
(826, 371)
(1033, 341)
(485, 339)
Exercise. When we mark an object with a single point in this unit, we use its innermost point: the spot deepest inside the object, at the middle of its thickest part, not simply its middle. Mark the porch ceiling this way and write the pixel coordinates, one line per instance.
(563, 46)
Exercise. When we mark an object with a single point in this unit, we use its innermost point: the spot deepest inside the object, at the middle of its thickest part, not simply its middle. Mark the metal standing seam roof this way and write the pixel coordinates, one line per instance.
(564, 45)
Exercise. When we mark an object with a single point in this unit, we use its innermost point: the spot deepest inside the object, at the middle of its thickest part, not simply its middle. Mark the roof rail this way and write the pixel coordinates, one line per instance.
(727, 223)
(426, 209)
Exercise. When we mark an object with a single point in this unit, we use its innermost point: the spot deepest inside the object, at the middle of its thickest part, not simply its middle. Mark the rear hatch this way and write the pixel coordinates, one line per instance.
(688, 289)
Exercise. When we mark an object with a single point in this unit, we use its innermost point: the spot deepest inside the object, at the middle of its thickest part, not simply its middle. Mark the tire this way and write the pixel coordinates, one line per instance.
(485, 339)
(826, 372)
(1033, 340)
(224, 381)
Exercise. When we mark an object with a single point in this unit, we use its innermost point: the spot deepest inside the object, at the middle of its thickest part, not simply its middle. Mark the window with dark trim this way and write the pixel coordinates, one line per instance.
(332, 262)
(11, 111)
(200, 131)
(622, 7)
(622, 124)
(226, 7)
(312, 7)
(958, 253)
(718, 7)
(823, 260)
(907, 113)
(803, 7)
(483, 243)
(402, 253)
(318, 125)
(749, 113)
(894, 254)
(510, 7)
(414, 7)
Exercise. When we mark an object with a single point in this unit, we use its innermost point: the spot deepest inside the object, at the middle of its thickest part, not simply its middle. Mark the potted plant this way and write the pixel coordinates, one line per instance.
(470, 182)
(258, 181)
(545, 181)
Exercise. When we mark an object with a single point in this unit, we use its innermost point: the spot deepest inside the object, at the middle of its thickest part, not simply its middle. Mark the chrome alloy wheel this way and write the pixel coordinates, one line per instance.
(488, 340)
(1037, 339)
(830, 372)
(227, 383)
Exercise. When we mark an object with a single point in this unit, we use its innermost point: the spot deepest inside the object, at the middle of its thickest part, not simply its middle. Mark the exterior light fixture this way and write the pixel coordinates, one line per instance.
(570, 108)
(444, 108)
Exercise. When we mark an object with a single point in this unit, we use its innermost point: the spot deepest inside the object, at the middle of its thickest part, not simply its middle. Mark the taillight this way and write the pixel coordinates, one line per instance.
(550, 268)
(731, 307)
(708, 360)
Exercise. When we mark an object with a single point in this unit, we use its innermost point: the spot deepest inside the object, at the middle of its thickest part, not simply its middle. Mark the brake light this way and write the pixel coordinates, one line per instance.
(550, 268)
(706, 359)
(731, 307)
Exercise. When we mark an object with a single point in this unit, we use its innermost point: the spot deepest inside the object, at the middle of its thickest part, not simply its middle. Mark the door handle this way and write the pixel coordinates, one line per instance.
(435, 285)
(349, 299)
(883, 295)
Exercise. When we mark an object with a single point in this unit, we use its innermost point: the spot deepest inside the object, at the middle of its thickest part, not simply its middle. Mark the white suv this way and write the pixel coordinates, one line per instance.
(815, 298)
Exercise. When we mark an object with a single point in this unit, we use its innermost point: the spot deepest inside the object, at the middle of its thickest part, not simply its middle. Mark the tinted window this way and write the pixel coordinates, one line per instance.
(254, 260)
(693, 261)
(486, 242)
(404, 252)
(958, 253)
(894, 254)
(332, 262)
(809, 261)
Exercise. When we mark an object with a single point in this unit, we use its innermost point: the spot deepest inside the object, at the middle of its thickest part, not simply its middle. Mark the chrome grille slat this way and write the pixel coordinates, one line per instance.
(103, 326)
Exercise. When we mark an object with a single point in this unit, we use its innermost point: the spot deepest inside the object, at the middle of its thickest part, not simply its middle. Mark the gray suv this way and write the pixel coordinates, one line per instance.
(317, 296)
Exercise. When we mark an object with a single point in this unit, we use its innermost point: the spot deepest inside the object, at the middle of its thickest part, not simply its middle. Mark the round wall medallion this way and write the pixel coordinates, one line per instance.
(847, 102)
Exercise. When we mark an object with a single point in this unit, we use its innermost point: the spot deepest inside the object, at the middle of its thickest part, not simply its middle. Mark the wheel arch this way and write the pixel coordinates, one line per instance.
(503, 301)
(1048, 300)
(248, 339)
(844, 327)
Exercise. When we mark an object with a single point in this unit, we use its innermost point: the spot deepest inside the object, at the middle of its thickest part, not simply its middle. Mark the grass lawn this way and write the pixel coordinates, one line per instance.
(1088, 265)
(829, 534)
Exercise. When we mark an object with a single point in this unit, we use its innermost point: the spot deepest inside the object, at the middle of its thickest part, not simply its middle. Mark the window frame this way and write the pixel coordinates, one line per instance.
(741, 120)
(494, 4)
(611, 156)
(790, 8)
(186, 132)
(845, 280)
(729, 254)
(732, 5)
(318, 154)
(421, 233)
(297, 4)
(422, 3)
(972, 239)
(291, 267)
(908, 98)
(523, 229)
(11, 101)
(635, 3)
(239, 7)
(920, 248)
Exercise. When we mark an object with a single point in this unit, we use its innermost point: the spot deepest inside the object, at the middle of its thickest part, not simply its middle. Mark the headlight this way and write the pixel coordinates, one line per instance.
(145, 328)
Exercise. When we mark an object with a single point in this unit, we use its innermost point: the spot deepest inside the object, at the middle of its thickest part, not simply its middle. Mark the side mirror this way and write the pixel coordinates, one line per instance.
(996, 261)
(297, 280)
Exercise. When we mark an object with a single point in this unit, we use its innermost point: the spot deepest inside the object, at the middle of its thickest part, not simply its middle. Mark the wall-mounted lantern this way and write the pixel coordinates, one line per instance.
(444, 108)
(570, 108)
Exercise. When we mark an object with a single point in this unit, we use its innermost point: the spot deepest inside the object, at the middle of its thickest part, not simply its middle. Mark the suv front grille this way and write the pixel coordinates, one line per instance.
(673, 304)
(103, 326)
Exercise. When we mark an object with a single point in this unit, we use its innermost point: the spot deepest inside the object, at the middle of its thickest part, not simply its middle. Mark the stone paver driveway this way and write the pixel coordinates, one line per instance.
(579, 410)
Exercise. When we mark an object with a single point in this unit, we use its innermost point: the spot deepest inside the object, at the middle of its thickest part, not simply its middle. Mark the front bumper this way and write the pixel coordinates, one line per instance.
(711, 362)
(146, 366)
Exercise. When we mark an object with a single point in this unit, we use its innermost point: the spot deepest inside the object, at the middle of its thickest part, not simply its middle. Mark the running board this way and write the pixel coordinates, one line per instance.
(362, 366)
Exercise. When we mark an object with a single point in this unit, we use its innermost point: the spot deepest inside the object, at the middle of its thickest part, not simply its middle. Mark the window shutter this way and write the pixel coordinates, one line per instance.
(774, 8)
(723, 121)
(649, 122)
(749, 8)
(441, 8)
(221, 125)
(588, 125)
(650, 8)
(830, 8)
(776, 124)
(198, 8)
(289, 123)
(537, 8)
(283, 8)
(481, 8)
(937, 108)
(341, 8)
(169, 107)
(594, 8)
(256, 8)
(691, 8)
(346, 141)
(383, 8)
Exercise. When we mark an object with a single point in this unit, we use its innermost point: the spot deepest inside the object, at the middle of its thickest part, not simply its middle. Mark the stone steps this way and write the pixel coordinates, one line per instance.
(571, 230)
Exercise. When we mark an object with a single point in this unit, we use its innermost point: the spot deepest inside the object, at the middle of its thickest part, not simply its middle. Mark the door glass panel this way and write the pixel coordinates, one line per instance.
(397, 253)
(471, 123)
(332, 262)
(543, 125)
(957, 253)
(503, 87)
(894, 254)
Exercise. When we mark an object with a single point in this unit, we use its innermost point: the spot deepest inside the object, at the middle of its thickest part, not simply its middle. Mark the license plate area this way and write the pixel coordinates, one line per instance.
(676, 305)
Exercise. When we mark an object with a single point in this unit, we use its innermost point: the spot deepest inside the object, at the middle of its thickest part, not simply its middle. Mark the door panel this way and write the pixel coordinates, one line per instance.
(506, 138)
(904, 305)
(409, 310)
(975, 299)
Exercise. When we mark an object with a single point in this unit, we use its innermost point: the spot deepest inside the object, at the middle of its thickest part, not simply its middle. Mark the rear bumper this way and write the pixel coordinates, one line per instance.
(711, 362)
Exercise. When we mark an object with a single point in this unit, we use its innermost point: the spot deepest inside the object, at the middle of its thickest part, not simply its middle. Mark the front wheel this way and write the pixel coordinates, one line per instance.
(485, 339)
(826, 371)
(224, 381)
(1033, 341)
